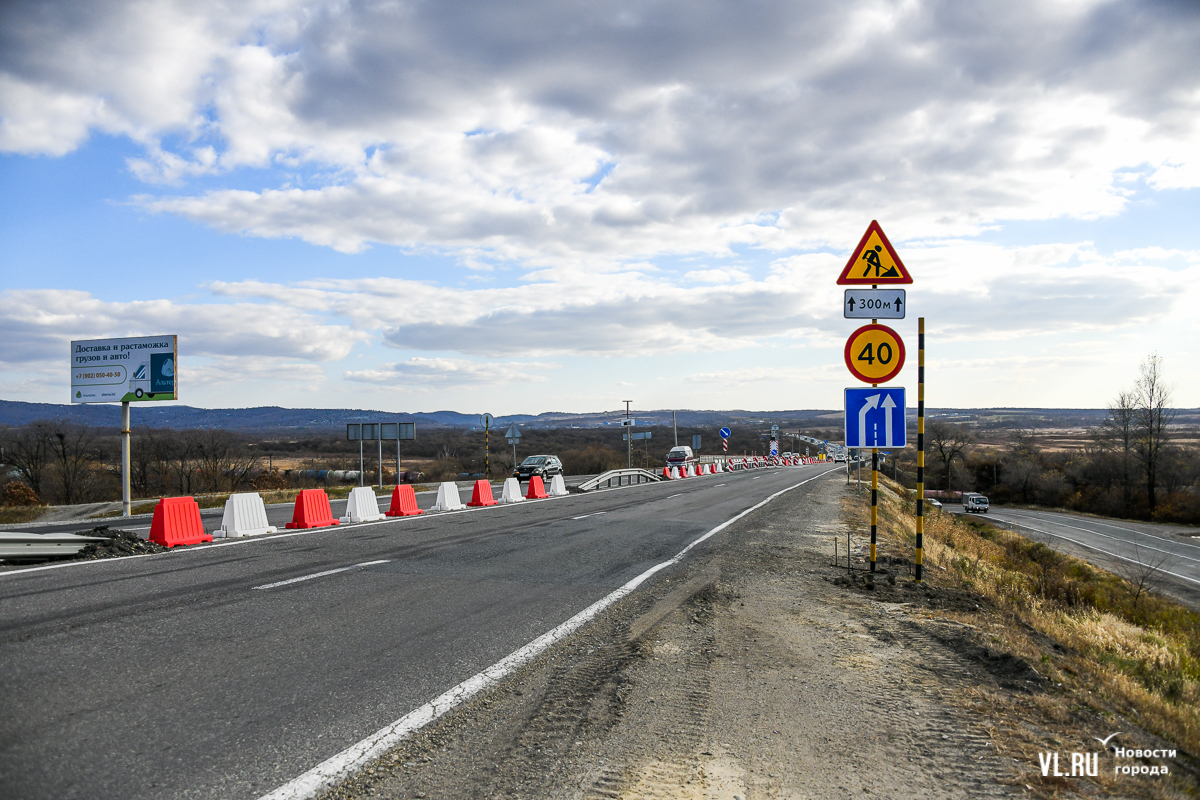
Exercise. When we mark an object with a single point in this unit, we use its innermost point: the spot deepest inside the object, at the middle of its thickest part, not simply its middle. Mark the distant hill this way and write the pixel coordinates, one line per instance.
(268, 418)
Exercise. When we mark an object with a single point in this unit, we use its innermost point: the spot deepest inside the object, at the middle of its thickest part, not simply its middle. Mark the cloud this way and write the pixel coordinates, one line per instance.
(38, 326)
(561, 134)
(425, 374)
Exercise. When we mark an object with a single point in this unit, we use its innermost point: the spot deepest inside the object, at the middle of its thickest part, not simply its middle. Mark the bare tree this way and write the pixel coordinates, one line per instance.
(1153, 416)
(223, 460)
(1120, 429)
(1143, 573)
(73, 460)
(27, 450)
(947, 442)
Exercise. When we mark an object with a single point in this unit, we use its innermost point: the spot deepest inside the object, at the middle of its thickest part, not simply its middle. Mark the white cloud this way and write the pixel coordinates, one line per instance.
(425, 374)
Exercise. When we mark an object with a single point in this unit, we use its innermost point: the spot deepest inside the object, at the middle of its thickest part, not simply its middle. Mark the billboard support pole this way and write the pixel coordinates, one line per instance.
(125, 458)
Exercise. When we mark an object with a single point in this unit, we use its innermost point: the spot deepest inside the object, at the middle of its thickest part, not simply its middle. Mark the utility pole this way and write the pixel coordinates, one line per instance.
(675, 425)
(628, 438)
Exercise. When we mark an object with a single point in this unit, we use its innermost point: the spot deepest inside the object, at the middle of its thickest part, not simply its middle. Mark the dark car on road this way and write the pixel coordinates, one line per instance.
(545, 467)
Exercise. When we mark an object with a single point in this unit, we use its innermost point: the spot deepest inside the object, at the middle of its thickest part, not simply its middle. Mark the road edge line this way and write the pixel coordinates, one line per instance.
(339, 767)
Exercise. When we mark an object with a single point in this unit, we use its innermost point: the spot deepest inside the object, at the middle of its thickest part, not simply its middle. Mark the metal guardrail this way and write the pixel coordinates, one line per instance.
(623, 477)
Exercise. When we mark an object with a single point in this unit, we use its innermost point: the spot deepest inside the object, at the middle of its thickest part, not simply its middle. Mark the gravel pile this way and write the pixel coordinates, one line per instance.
(120, 543)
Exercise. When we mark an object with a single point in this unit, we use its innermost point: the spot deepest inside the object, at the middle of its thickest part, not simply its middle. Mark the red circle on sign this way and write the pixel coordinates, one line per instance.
(867, 339)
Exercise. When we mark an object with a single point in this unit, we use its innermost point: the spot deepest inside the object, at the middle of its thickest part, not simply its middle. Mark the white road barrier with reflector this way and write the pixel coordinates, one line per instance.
(362, 506)
(245, 515)
(448, 499)
(558, 487)
(512, 492)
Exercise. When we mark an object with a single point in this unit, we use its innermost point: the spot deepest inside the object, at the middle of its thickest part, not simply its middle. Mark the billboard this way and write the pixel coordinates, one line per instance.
(124, 370)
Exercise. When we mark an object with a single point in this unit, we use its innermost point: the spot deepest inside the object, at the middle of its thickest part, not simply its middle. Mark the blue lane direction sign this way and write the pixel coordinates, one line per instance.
(726, 433)
(874, 304)
(875, 418)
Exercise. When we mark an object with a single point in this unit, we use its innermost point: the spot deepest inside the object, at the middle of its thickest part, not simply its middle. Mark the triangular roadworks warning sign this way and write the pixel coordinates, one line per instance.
(874, 261)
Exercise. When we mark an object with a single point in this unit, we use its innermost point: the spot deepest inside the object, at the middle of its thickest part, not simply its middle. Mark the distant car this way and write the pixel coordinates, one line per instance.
(680, 456)
(840, 458)
(933, 501)
(542, 466)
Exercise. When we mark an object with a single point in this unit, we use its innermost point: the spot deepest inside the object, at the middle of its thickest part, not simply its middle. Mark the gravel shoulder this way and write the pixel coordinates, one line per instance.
(747, 672)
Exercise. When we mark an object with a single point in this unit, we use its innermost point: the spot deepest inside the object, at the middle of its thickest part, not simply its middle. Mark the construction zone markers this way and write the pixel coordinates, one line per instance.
(362, 506)
(177, 521)
(448, 499)
(482, 495)
(511, 492)
(558, 487)
(537, 490)
(404, 503)
(312, 510)
(245, 515)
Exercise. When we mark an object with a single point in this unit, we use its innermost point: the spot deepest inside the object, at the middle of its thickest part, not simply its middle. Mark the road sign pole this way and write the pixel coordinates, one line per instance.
(874, 501)
(920, 555)
(381, 461)
(125, 458)
(487, 464)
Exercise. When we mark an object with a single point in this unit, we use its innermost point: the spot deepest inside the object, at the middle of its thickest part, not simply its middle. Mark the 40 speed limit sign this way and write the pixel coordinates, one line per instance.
(874, 353)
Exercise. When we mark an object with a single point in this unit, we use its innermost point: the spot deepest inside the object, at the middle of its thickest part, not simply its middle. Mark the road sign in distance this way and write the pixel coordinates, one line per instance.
(353, 431)
(874, 261)
(874, 354)
(636, 436)
(628, 423)
(513, 432)
(875, 417)
(726, 433)
(874, 304)
(486, 420)
(695, 441)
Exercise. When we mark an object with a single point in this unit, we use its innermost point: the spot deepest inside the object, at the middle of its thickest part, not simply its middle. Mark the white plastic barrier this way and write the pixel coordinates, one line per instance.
(448, 499)
(720, 468)
(512, 491)
(245, 515)
(362, 505)
(674, 473)
(558, 487)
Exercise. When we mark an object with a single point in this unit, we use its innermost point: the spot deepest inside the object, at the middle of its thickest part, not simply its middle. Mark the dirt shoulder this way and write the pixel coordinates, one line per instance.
(749, 672)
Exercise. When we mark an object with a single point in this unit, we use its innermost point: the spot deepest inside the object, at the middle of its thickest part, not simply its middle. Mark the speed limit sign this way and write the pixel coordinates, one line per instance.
(874, 354)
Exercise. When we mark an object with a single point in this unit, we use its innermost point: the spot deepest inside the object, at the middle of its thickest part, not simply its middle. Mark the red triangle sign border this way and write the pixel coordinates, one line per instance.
(845, 280)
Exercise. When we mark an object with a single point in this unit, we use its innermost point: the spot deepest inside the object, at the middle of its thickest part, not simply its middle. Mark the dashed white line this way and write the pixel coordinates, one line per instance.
(321, 574)
(681, 494)
(593, 514)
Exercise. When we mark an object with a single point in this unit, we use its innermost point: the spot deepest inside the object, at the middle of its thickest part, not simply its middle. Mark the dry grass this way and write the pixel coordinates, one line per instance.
(1138, 656)
(12, 515)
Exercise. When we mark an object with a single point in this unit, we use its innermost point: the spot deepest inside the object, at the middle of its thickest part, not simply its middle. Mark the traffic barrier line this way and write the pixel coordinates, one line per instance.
(349, 761)
(482, 496)
(362, 505)
(312, 510)
(448, 499)
(404, 502)
(537, 491)
(558, 486)
(177, 522)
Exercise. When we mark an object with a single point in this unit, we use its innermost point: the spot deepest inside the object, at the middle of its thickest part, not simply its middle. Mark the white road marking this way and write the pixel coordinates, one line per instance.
(1097, 533)
(593, 514)
(322, 574)
(719, 484)
(681, 494)
(346, 763)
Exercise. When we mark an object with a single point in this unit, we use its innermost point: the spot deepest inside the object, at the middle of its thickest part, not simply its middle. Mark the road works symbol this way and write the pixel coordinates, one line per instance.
(875, 418)
(874, 261)
(874, 354)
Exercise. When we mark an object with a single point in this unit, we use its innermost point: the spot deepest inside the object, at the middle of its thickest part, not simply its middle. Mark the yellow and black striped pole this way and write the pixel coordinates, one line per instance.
(920, 444)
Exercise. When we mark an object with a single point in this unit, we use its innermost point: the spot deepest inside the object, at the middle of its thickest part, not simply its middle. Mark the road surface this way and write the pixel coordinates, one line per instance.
(226, 670)
(1172, 552)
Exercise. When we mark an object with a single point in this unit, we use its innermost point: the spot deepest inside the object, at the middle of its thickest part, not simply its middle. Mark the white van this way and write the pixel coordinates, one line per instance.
(974, 503)
(680, 456)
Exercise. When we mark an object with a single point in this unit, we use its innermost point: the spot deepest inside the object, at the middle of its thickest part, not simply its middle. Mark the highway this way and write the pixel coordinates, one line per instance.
(1113, 544)
(227, 670)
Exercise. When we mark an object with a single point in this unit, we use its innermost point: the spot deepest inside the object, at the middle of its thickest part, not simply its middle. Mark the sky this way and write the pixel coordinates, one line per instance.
(547, 206)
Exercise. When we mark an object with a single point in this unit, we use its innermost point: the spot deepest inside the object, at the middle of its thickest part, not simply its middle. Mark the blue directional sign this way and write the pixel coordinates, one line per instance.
(875, 417)
(726, 433)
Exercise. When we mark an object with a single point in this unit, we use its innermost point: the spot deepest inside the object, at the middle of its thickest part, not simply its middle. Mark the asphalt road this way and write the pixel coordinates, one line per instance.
(1170, 552)
(212, 672)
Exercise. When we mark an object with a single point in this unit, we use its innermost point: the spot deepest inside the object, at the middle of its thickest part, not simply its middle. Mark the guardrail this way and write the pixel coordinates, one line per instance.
(623, 477)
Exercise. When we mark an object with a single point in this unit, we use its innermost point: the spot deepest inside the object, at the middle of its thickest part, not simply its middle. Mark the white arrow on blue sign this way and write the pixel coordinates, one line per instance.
(875, 417)
(726, 433)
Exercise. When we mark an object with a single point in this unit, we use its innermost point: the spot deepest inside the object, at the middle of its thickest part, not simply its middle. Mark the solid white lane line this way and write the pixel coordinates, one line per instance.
(1054, 519)
(1105, 535)
(346, 763)
(322, 574)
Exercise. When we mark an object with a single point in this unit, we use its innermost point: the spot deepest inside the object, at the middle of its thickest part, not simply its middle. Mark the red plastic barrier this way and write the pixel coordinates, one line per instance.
(177, 521)
(666, 473)
(404, 503)
(312, 510)
(537, 489)
(482, 496)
